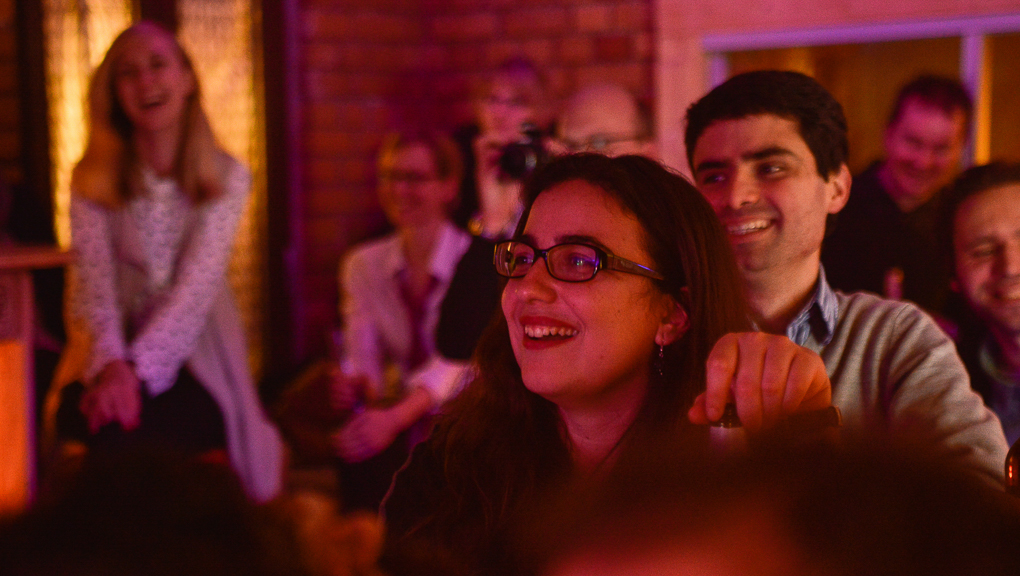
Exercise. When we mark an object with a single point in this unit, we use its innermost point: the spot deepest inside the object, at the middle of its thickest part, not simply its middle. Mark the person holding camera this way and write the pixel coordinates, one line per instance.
(501, 147)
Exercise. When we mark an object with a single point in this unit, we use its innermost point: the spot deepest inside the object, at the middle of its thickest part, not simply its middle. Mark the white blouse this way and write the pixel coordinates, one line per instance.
(149, 286)
(147, 274)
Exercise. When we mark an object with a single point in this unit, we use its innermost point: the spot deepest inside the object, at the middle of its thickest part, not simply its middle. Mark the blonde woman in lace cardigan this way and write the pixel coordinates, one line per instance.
(156, 341)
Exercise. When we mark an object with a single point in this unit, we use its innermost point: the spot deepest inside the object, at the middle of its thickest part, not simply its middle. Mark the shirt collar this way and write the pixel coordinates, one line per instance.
(818, 317)
(443, 260)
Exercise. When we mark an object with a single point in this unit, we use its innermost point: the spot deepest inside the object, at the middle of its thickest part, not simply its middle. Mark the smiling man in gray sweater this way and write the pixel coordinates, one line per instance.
(768, 150)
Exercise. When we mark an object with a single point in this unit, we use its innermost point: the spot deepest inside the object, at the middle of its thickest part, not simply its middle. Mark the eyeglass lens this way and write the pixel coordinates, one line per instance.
(569, 262)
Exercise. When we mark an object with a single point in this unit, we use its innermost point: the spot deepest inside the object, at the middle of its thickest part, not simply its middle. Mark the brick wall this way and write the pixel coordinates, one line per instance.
(354, 56)
(373, 65)
(572, 41)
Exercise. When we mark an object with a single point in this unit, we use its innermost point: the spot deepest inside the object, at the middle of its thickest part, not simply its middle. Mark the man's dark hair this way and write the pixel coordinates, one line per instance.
(946, 94)
(791, 95)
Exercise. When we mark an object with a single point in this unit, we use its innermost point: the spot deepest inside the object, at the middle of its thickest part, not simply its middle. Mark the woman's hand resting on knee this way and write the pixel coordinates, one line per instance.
(115, 396)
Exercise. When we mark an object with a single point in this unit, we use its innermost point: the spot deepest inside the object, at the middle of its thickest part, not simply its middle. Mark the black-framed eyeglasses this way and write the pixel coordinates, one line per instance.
(596, 143)
(411, 177)
(571, 262)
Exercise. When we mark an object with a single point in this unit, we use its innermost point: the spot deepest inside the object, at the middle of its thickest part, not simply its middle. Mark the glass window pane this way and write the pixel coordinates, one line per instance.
(863, 77)
(1004, 125)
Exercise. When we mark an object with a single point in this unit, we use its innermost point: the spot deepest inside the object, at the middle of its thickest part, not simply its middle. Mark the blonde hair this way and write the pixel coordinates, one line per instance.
(445, 155)
(109, 171)
(523, 77)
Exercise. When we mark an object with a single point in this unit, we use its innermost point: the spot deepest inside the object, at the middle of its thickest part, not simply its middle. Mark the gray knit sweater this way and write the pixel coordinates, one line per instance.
(894, 370)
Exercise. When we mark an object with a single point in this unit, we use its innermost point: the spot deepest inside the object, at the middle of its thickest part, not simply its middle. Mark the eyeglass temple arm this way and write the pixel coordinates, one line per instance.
(623, 265)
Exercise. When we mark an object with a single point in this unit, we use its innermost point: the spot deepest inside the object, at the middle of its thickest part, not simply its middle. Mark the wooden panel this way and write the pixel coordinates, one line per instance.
(17, 383)
(16, 466)
(1005, 121)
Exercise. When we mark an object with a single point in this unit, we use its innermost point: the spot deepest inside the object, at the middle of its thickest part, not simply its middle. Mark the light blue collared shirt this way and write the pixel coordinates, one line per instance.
(818, 317)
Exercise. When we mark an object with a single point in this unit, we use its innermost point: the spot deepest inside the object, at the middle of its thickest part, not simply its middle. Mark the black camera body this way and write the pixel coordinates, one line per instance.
(519, 159)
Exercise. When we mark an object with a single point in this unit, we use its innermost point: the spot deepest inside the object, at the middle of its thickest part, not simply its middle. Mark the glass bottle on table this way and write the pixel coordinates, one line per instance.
(727, 434)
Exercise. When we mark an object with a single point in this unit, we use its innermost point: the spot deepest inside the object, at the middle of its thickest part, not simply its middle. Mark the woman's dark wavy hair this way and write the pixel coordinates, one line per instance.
(501, 443)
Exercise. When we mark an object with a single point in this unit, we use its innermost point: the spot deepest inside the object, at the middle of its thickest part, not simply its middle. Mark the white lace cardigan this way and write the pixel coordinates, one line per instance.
(148, 285)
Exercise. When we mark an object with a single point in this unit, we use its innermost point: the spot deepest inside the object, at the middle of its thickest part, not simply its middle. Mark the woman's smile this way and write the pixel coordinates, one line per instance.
(543, 332)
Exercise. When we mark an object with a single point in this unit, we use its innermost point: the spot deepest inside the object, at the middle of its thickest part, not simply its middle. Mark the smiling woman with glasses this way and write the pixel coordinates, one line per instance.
(597, 354)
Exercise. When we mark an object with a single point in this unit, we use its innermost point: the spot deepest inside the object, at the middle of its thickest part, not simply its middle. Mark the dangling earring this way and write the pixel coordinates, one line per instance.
(661, 361)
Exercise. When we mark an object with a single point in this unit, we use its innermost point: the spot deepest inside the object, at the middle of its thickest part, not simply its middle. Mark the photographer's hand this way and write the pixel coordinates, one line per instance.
(499, 200)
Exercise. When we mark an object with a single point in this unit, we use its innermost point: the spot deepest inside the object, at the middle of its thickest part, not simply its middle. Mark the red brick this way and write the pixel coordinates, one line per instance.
(644, 46)
(338, 171)
(595, 18)
(323, 25)
(321, 56)
(405, 28)
(614, 48)
(537, 22)
(325, 116)
(331, 85)
(356, 25)
(634, 15)
(577, 50)
(8, 43)
(472, 5)
(498, 51)
(630, 74)
(360, 226)
(328, 200)
(428, 57)
(362, 57)
(450, 86)
(541, 52)
(530, 4)
(358, 56)
(323, 233)
(330, 229)
(478, 25)
(319, 144)
(405, 6)
(7, 13)
(469, 55)
(558, 83)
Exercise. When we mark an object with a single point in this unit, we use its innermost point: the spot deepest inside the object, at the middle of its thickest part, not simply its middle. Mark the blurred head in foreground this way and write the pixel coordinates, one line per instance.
(811, 510)
(156, 514)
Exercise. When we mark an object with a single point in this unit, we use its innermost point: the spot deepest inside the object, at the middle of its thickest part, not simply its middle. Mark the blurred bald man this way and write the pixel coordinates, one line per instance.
(604, 118)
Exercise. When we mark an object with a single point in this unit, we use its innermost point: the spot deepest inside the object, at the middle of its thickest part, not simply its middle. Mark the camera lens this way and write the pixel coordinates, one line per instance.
(518, 159)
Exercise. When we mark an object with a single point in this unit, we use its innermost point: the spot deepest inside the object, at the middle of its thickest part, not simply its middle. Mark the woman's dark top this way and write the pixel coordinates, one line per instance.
(470, 303)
